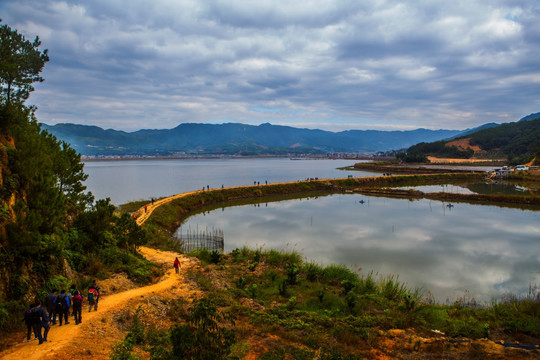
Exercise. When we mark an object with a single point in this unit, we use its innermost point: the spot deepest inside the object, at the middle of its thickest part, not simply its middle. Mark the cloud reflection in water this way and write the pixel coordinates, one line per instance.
(485, 250)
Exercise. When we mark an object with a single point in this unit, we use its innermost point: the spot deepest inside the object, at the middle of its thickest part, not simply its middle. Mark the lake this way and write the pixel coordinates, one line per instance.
(128, 180)
(484, 251)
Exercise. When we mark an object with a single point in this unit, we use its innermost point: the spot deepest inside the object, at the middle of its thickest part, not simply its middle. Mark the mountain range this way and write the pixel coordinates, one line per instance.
(238, 139)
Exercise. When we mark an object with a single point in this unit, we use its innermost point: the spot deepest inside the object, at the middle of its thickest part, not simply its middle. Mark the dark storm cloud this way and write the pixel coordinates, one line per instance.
(320, 64)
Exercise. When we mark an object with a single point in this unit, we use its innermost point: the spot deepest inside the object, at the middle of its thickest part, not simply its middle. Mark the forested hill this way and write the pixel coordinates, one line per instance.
(237, 139)
(519, 142)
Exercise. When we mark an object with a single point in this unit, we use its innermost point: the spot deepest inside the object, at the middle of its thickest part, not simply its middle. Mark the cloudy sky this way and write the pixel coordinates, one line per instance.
(328, 64)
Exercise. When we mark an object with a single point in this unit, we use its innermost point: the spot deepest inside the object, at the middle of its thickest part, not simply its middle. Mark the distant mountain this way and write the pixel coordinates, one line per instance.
(531, 117)
(482, 127)
(519, 142)
(237, 139)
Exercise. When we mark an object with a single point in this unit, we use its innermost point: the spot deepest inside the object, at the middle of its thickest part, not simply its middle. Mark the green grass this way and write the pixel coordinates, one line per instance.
(334, 311)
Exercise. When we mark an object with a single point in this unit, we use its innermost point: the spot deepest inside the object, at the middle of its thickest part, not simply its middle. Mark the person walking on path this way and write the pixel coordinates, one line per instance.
(98, 293)
(177, 265)
(50, 304)
(77, 306)
(29, 321)
(93, 296)
(62, 307)
(41, 321)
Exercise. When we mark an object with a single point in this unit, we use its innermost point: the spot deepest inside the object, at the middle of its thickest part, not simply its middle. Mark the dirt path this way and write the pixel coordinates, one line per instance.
(143, 214)
(93, 338)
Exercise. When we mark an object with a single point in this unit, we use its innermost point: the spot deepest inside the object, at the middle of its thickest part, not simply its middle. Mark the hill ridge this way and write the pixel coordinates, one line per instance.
(518, 142)
(238, 139)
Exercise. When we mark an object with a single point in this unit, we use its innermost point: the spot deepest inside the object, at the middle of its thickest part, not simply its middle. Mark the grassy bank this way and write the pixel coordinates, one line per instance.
(274, 305)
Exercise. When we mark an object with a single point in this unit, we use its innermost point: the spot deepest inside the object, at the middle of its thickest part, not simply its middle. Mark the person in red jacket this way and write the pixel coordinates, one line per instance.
(177, 265)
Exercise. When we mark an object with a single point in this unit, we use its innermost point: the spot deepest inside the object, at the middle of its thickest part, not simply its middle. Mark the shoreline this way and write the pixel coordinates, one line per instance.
(174, 209)
(196, 157)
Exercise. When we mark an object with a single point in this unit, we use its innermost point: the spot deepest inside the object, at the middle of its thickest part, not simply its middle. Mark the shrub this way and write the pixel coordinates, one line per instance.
(136, 333)
(239, 350)
(279, 258)
(292, 303)
(282, 288)
(132, 263)
(367, 285)
(204, 281)
(203, 337)
(5, 311)
(351, 298)
(338, 273)
(203, 255)
(245, 252)
(312, 271)
(320, 295)
(122, 351)
(93, 264)
(271, 274)
(215, 257)
(241, 283)
(347, 286)
(392, 289)
(292, 272)
(235, 254)
(257, 256)
(252, 290)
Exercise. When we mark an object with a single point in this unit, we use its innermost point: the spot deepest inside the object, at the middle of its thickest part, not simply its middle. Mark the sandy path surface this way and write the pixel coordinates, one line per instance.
(93, 338)
(143, 215)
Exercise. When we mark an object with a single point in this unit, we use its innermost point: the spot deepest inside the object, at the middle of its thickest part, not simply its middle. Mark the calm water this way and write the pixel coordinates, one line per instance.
(129, 180)
(485, 250)
(492, 187)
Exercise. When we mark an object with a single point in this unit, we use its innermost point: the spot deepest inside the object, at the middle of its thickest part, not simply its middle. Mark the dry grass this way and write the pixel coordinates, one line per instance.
(436, 160)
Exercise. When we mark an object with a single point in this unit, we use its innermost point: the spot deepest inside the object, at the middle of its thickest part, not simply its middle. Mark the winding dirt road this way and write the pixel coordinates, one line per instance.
(94, 337)
(97, 333)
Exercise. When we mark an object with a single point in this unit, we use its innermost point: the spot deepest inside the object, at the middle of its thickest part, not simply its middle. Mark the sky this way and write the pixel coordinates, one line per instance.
(326, 64)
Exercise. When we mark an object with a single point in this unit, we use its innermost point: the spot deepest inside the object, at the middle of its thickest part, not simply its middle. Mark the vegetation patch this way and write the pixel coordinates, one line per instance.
(329, 312)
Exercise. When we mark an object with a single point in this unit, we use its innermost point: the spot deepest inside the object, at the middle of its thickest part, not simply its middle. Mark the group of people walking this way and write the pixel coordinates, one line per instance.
(39, 317)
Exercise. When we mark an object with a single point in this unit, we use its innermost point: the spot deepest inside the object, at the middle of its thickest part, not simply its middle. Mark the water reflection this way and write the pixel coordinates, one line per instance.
(501, 187)
(485, 250)
(492, 187)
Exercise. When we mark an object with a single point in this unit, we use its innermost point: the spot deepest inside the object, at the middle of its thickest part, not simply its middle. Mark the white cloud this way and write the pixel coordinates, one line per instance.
(385, 64)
